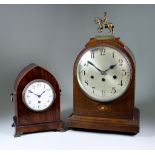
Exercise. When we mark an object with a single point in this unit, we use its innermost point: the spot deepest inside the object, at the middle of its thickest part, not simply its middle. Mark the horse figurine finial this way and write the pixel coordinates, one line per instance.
(103, 24)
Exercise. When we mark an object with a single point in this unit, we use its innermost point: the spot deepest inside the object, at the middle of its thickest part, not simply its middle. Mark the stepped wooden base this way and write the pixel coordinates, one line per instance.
(22, 129)
(107, 124)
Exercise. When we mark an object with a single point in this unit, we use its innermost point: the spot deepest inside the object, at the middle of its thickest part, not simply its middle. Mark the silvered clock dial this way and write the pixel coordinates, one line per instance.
(103, 73)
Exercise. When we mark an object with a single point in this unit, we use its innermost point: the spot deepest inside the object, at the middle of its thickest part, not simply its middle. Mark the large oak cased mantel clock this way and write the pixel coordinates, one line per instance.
(104, 85)
(37, 101)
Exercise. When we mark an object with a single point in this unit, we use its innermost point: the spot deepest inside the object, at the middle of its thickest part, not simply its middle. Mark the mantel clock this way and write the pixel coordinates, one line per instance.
(37, 101)
(104, 85)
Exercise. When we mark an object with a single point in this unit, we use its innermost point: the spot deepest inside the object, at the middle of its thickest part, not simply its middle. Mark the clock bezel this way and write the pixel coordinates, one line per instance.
(31, 82)
(121, 51)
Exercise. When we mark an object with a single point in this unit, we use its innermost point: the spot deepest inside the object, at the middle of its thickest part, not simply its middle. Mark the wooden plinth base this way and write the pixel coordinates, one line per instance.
(107, 124)
(22, 129)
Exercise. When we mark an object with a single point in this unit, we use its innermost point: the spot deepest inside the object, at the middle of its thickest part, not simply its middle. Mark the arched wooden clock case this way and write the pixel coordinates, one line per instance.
(118, 115)
(26, 120)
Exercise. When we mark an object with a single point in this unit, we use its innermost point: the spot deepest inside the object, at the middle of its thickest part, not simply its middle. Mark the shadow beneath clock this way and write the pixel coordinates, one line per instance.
(147, 118)
(102, 132)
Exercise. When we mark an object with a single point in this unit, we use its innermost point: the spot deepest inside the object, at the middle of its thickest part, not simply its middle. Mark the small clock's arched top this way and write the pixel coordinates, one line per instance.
(104, 24)
(32, 72)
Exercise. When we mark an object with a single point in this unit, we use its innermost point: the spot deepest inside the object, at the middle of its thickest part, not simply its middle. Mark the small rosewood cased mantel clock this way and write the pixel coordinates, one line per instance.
(104, 85)
(37, 101)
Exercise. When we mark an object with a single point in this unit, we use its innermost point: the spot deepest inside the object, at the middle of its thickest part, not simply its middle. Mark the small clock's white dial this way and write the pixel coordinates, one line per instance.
(103, 73)
(38, 95)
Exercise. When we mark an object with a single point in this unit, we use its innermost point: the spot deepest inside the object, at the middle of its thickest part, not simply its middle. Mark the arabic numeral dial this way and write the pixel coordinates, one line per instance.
(41, 97)
(103, 73)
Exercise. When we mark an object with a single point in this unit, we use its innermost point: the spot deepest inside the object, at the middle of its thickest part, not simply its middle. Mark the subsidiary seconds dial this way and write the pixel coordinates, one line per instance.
(103, 73)
(38, 95)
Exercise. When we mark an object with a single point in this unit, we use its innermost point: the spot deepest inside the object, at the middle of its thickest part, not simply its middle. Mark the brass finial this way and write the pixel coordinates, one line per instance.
(104, 24)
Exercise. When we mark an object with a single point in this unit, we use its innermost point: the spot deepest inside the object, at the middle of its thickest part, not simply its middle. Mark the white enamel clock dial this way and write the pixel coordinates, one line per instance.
(38, 95)
(103, 73)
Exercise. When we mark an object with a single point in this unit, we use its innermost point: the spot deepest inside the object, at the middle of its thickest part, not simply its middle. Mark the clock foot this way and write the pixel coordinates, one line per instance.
(62, 130)
(126, 126)
(18, 134)
(61, 127)
(66, 129)
(23, 129)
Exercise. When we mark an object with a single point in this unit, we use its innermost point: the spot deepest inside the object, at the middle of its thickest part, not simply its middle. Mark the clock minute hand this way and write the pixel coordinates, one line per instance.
(95, 67)
(33, 93)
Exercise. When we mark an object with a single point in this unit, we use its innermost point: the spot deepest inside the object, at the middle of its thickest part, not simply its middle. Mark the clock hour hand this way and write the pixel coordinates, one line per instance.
(110, 67)
(95, 67)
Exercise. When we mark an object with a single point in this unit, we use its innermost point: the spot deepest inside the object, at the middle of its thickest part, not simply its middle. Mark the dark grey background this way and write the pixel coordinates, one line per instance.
(52, 36)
